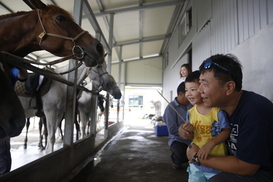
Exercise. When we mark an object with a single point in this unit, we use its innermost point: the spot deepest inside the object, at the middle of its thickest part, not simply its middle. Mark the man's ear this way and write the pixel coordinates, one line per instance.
(230, 87)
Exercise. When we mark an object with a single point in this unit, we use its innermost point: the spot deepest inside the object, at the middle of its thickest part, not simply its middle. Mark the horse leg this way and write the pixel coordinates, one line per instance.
(27, 125)
(40, 145)
(83, 124)
(45, 130)
(61, 131)
(77, 128)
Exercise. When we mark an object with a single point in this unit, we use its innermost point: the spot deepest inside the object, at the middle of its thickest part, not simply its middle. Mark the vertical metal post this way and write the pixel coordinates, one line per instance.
(109, 71)
(119, 79)
(71, 100)
(94, 104)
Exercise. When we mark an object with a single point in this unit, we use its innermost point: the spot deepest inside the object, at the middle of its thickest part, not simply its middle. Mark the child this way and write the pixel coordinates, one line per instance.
(210, 127)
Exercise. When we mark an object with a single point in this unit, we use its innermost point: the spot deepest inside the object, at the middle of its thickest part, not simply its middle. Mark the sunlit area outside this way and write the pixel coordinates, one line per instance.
(141, 105)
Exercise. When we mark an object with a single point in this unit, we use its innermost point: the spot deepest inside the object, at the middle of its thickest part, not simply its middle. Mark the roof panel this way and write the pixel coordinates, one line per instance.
(155, 22)
(126, 26)
(150, 48)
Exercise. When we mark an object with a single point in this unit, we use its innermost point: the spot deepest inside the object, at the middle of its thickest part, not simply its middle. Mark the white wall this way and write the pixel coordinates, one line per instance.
(242, 27)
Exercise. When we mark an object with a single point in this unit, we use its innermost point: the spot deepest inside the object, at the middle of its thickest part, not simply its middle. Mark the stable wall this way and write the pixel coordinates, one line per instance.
(62, 164)
(241, 27)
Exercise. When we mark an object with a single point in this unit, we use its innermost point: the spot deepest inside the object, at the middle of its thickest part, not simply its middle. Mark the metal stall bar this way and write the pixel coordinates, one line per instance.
(71, 113)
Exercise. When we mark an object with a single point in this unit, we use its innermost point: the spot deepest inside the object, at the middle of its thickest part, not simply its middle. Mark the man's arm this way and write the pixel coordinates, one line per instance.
(230, 164)
(22, 74)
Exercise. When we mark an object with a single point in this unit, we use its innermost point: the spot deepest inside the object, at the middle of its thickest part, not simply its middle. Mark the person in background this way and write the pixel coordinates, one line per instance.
(251, 119)
(210, 129)
(178, 146)
(5, 156)
(185, 70)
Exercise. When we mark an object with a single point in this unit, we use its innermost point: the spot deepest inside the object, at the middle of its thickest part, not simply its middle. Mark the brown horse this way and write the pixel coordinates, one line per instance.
(47, 28)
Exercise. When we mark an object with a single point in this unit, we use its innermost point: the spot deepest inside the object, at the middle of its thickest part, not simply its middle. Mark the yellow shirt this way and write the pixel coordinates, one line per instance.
(203, 129)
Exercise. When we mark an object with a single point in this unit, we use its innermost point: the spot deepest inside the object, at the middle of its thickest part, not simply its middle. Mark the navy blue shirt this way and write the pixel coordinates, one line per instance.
(251, 138)
(173, 121)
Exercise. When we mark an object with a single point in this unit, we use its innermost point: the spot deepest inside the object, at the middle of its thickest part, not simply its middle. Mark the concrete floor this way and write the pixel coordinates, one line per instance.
(135, 154)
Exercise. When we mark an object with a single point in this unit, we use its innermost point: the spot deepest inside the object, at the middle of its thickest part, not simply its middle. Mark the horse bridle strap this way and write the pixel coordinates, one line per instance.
(41, 36)
(99, 73)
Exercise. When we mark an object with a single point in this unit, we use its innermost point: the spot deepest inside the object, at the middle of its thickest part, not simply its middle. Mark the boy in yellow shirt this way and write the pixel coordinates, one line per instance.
(210, 127)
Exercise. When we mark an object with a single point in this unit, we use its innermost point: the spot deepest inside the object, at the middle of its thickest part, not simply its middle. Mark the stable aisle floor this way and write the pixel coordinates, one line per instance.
(135, 154)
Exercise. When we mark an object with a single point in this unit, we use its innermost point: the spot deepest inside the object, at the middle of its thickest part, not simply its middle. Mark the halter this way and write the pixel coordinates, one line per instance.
(99, 73)
(76, 50)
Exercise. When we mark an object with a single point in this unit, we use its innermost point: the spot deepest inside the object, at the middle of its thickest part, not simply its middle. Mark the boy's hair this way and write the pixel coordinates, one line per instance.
(193, 77)
(181, 88)
(225, 68)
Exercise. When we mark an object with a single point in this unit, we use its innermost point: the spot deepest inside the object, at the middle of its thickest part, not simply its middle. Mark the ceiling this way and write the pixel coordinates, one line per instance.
(141, 28)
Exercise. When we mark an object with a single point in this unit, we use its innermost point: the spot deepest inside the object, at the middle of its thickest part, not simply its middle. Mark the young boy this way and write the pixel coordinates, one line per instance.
(210, 127)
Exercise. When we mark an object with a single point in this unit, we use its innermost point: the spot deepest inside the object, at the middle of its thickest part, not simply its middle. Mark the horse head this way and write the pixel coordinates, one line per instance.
(50, 28)
(114, 89)
(100, 77)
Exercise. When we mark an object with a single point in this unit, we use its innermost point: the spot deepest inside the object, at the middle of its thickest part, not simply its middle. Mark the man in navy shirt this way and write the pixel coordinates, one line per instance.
(251, 119)
(177, 145)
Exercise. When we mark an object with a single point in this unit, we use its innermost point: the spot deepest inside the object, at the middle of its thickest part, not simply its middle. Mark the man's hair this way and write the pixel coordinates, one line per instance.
(229, 62)
(181, 88)
(193, 77)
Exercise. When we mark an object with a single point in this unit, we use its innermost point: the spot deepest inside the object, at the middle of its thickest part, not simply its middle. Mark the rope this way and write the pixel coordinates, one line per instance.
(172, 107)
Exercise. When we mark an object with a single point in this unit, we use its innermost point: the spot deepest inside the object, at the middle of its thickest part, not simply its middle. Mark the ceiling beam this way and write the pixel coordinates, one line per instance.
(143, 7)
(141, 41)
(7, 8)
(92, 19)
(173, 22)
(107, 24)
(138, 59)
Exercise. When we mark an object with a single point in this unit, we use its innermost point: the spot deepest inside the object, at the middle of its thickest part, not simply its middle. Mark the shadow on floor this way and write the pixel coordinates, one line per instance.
(135, 154)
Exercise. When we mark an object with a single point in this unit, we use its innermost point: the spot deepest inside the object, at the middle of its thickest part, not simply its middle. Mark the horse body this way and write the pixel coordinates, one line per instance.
(54, 108)
(45, 28)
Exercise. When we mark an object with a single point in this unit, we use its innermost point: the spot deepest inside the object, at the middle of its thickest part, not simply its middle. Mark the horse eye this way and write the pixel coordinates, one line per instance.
(60, 18)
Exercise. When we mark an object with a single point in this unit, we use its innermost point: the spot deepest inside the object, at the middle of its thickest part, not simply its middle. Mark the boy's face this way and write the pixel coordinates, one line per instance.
(192, 93)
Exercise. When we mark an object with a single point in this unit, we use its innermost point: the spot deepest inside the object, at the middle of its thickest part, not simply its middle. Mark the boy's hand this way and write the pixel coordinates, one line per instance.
(205, 150)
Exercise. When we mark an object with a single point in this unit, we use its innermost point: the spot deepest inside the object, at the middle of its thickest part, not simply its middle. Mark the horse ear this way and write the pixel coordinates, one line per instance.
(35, 4)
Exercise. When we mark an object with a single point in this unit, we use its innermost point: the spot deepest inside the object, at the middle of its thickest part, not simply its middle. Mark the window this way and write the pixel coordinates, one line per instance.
(135, 101)
(185, 25)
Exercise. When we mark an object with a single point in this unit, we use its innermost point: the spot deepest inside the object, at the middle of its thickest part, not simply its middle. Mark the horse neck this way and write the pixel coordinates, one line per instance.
(16, 37)
(82, 73)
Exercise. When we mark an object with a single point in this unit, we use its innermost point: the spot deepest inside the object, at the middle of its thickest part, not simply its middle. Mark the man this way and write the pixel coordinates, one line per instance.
(251, 119)
(177, 145)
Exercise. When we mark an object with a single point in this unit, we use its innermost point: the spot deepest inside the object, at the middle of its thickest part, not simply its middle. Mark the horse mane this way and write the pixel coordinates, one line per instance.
(13, 14)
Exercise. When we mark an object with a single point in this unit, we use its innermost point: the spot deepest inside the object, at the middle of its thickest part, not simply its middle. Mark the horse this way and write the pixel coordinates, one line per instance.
(54, 101)
(46, 27)
(84, 102)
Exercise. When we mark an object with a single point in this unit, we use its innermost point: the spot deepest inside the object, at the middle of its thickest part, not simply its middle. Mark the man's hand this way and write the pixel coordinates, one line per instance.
(187, 135)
